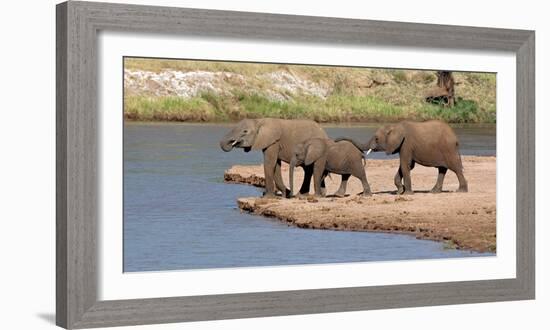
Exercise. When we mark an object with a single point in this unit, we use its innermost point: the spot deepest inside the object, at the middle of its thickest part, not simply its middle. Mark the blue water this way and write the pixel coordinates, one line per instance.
(178, 213)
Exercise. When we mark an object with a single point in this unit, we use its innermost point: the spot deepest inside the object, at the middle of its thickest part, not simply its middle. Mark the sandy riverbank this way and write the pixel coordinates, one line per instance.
(462, 220)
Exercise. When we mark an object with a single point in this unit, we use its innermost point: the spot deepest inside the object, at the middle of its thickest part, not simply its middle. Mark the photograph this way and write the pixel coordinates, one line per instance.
(237, 165)
(240, 164)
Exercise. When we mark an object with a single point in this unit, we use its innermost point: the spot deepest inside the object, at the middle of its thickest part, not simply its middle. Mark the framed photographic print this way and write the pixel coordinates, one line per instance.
(216, 165)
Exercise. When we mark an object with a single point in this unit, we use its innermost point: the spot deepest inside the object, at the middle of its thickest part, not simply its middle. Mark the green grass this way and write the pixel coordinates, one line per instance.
(464, 111)
(212, 107)
(169, 108)
(356, 95)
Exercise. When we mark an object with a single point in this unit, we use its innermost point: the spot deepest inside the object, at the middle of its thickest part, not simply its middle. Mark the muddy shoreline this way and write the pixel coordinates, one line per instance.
(460, 220)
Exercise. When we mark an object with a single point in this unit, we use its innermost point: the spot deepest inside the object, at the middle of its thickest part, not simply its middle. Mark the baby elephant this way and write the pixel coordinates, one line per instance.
(327, 156)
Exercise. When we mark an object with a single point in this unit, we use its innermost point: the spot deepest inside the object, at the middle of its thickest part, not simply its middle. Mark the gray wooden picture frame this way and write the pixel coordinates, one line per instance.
(78, 24)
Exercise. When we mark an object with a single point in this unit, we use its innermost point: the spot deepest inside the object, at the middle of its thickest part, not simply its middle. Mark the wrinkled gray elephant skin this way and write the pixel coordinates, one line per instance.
(276, 138)
(432, 143)
(327, 156)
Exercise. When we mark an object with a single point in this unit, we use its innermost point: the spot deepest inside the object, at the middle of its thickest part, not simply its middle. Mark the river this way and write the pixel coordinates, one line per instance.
(178, 213)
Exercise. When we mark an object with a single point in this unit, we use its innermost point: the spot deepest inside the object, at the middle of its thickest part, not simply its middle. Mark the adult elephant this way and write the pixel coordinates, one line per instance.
(277, 139)
(432, 143)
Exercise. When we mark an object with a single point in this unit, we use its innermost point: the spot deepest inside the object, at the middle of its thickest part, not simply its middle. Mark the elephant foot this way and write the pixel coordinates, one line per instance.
(436, 190)
(408, 192)
(462, 189)
(288, 193)
(400, 190)
(340, 194)
(366, 194)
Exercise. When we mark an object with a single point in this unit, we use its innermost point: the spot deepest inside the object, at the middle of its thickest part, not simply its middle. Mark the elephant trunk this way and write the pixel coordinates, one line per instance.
(372, 145)
(228, 142)
(226, 146)
(357, 144)
(291, 175)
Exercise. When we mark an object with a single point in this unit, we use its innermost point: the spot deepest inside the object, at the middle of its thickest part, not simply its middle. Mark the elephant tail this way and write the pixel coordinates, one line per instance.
(361, 146)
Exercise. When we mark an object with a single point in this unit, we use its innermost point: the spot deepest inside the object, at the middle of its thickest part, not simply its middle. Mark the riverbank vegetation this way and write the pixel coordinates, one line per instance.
(203, 91)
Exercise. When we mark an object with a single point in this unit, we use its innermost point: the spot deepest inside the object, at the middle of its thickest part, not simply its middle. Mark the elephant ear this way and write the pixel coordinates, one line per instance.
(394, 138)
(315, 149)
(268, 133)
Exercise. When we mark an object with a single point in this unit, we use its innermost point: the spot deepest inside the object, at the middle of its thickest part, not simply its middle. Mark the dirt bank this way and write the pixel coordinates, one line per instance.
(462, 220)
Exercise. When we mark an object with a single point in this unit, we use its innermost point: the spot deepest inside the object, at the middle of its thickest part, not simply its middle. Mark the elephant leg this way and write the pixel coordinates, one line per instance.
(323, 185)
(308, 172)
(279, 180)
(361, 175)
(440, 177)
(406, 166)
(318, 170)
(270, 163)
(463, 184)
(456, 167)
(341, 192)
(398, 181)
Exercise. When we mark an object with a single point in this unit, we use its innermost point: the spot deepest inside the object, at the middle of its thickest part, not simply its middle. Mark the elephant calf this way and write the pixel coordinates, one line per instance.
(432, 143)
(327, 156)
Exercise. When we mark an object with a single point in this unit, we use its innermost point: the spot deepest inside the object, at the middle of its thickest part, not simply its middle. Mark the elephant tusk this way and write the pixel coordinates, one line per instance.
(234, 143)
(368, 151)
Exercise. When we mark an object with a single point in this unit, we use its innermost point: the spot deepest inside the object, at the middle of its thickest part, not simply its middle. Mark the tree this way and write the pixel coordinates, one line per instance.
(444, 92)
